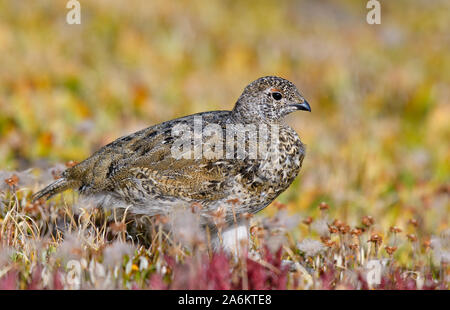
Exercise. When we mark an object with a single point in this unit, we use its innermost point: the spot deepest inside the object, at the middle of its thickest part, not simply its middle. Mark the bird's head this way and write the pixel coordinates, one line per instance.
(269, 99)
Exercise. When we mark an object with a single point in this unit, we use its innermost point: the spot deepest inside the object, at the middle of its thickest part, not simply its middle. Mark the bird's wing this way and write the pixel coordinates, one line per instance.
(146, 157)
(182, 178)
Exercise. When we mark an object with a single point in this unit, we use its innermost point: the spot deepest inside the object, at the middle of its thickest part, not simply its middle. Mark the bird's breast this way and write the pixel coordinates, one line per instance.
(271, 175)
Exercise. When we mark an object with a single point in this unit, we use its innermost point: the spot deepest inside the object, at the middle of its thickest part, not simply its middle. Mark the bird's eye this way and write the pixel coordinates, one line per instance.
(277, 96)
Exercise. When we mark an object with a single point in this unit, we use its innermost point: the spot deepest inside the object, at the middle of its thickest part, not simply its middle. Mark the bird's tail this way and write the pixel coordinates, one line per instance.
(54, 188)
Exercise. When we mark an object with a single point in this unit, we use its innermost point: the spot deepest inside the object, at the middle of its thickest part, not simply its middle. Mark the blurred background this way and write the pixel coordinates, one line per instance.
(377, 139)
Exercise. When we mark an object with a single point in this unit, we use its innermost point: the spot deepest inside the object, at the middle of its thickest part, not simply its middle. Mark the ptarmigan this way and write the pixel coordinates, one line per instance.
(235, 162)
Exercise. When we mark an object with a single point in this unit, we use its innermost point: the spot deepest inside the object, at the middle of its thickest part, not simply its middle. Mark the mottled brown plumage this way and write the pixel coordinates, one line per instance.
(140, 171)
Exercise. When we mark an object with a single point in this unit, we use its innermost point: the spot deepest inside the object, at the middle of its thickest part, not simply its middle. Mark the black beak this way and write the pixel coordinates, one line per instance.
(304, 106)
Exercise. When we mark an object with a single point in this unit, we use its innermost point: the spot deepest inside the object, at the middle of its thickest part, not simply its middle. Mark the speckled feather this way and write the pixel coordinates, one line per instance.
(140, 171)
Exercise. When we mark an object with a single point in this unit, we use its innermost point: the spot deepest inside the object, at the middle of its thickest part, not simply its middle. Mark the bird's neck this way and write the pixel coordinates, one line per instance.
(241, 113)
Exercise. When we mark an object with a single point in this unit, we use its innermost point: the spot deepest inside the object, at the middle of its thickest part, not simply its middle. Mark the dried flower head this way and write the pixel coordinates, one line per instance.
(375, 238)
(16, 178)
(427, 244)
(395, 229)
(308, 220)
(327, 241)
(367, 220)
(332, 229)
(390, 249)
(413, 222)
(323, 206)
(412, 237)
(356, 231)
(343, 229)
(338, 223)
(12, 181)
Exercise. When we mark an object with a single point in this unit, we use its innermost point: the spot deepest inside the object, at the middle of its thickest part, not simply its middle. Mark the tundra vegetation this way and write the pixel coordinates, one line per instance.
(370, 208)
